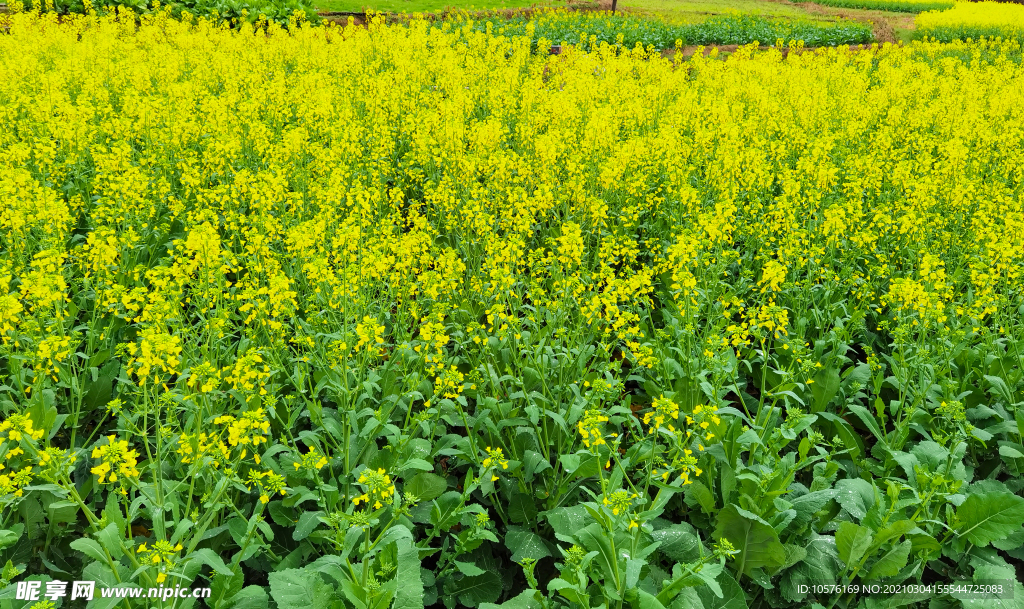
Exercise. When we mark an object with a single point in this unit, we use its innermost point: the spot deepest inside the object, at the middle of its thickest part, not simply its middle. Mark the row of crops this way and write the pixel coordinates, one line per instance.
(403, 316)
(944, 21)
(590, 28)
(897, 6)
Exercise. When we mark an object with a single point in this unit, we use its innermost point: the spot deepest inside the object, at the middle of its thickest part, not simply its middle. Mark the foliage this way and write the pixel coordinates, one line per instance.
(590, 28)
(972, 20)
(232, 12)
(896, 6)
(400, 316)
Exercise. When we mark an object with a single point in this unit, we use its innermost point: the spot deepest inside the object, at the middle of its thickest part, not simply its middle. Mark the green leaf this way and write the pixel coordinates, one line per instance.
(472, 591)
(986, 517)
(852, 541)
(824, 388)
(647, 601)
(409, 590)
(208, 557)
(90, 548)
(566, 521)
(820, 565)
(468, 568)
(308, 522)
(701, 495)
(426, 486)
(445, 512)
(249, 597)
(11, 536)
(594, 539)
(807, 505)
(869, 421)
(758, 543)
(894, 530)
(794, 554)
(527, 599)
(891, 562)
(856, 495)
(733, 596)
(525, 544)
(522, 508)
(300, 589)
(678, 542)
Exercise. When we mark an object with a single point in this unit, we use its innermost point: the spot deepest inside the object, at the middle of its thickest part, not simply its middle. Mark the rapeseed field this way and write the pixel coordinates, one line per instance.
(414, 314)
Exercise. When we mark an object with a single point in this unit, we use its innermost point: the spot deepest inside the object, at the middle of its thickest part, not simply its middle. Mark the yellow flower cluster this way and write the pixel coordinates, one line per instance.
(18, 426)
(15, 481)
(116, 460)
(312, 461)
(449, 383)
(248, 430)
(377, 488)
(158, 353)
(496, 459)
(591, 428)
(192, 448)
(701, 419)
(268, 484)
(664, 413)
(161, 554)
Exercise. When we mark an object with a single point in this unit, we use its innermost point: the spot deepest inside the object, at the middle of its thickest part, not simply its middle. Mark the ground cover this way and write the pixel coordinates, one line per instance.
(404, 315)
(593, 28)
(898, 6)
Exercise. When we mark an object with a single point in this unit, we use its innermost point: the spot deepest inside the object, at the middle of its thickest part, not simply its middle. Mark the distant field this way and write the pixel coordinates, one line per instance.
(682, 10)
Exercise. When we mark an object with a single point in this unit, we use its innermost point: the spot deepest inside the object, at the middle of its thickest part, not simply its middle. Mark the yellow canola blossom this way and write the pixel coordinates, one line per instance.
(438, 196)
(973, 20)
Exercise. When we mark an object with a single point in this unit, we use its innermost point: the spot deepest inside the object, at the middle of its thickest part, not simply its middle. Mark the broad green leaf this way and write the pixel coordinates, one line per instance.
(700, 495)
(211, 559)
(856, 495)
(472, 591)
(566, 521)
(409, 585)
(869, 421)
(758, 544)
(9, 537)
(824, 388)
(646, 600)
(820, 565)
(985, 517)
(893, 530)
(525, 544)
(807, 505)
(852, 541)
(794, 554)
(527, 599)
(468, 568)
(678, 542)
(522, 508)
(733, 596)
(594, 539)
(90, 548)
(426, 486)
(300, 589)
(891, 562)
(249, 597)
(308, 522)
(445, 511)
